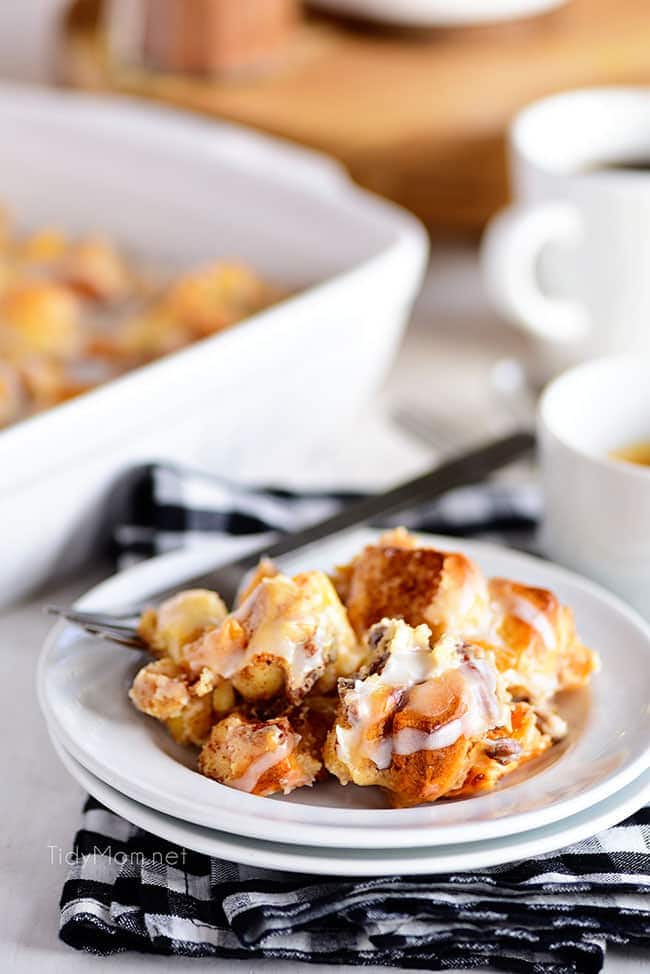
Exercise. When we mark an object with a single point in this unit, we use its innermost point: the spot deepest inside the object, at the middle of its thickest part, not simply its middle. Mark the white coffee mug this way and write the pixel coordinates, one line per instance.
(569, 261)
(597, 509)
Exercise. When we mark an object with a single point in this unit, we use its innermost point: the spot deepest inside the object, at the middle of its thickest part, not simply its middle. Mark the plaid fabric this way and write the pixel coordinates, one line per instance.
(128, 890)
(170, 507)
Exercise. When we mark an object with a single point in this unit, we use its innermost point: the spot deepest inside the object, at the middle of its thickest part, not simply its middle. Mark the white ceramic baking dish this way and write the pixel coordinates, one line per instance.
(177, 190)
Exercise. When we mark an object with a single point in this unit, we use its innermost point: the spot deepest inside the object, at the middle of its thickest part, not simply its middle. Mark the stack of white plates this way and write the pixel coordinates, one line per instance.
(595, 778)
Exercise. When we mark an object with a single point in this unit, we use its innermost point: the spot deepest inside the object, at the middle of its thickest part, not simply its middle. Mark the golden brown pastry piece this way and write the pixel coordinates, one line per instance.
(194, 722)
(265, 568)
(165, 689)
(206, 706)
(423, 722)
(397, 579)
(287, 635)
(94, 269)
(200, 303)
(535, 642)
(40, 318)
(531, 633)
(161, 689)
(503, 750)
(181, 620)
(313, 720)
(261, 757)
(213, 297)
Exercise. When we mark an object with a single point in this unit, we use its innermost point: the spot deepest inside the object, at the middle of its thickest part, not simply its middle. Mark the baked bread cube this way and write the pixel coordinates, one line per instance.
(261, 757)
(180, 620)
(422, 722)
(398, 579)
(288, 634)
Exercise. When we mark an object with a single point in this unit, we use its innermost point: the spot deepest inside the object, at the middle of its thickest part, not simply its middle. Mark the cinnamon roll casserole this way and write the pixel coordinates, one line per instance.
(406, 669)
(77, 312)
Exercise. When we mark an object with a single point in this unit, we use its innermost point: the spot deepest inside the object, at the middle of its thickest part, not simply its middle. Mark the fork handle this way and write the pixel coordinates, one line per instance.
(469, 468)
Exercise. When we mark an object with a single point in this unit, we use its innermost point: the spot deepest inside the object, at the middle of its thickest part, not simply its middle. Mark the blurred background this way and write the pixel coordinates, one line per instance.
(414, 98)
(318, 245)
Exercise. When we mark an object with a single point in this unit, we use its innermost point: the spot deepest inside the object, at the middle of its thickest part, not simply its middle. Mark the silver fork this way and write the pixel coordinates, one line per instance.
(117, 628)
(471, 467)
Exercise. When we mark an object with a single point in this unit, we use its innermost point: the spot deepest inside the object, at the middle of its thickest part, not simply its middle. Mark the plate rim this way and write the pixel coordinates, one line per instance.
(441, 14)
(248, 817)
(292, 858)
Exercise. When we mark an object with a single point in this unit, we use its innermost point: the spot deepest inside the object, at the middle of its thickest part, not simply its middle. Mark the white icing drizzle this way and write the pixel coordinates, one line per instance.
(410, 740)
(276, 637)
(411, 658)
(259, 767)
(352, 740)
(522, 609)
(302, 626)
(412, 663)
(483, 712)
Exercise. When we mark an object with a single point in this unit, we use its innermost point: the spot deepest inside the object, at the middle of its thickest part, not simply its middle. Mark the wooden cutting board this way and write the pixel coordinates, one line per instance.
(418, 116)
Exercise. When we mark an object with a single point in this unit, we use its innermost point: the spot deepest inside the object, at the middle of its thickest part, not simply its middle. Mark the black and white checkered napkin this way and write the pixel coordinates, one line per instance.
(128, 890)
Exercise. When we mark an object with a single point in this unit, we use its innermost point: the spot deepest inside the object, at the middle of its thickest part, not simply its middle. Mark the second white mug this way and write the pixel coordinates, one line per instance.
(569, 261)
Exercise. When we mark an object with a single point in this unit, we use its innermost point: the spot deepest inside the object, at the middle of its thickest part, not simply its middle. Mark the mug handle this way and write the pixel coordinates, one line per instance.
(510, 251)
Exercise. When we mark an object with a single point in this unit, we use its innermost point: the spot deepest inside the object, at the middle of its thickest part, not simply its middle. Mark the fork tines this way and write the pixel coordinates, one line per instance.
(114, 628)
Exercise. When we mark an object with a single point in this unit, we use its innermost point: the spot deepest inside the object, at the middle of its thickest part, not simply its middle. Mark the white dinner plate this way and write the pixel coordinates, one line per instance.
(83, 684)
(324, 861)
(439, 13)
